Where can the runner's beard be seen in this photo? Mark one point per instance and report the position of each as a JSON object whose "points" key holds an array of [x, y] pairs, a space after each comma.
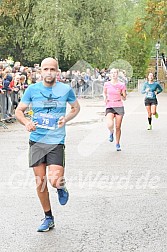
{"points": [[50, 81]]}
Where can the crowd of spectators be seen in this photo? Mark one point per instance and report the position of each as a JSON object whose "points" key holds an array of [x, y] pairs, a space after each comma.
{"points": [[16, 78], [13, 82]]}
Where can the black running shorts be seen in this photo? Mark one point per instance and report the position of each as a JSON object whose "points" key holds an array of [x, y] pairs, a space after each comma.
{"points": [[50, 154], [115, 110], [149, 102]]}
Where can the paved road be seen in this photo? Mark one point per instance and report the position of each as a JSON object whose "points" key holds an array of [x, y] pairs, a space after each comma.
{"points": [[118, 200]]}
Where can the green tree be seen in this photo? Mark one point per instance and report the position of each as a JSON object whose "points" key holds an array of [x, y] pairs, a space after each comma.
{"points": [[153, 24], [89, 30], [99, 31], [16, 28]]}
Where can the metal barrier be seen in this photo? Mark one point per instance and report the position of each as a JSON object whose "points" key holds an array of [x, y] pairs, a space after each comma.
{"points": [[6, 108], [94, 88], [132, 84], [91, 89]]}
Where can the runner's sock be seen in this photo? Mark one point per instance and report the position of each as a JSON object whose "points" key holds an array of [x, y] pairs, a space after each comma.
{"points": [[48, 213], [149, 120]]}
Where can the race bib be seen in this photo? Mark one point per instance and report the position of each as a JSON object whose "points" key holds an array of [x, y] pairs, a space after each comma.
{"points": [[46, 121], [150, 95]]}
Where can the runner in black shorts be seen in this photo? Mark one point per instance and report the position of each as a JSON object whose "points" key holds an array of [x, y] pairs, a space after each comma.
{"points": [[151, 88], [46, 153], [48, 100]]}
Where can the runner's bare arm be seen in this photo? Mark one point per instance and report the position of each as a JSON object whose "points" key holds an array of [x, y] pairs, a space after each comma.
{"points": [[105, 94], [123, 95], [20, 116], [75, 108]]}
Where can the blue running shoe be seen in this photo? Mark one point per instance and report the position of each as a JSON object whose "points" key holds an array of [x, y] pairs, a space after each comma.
{"points": [[63, 195], [47, 224], [118, 147], [111, 138]]}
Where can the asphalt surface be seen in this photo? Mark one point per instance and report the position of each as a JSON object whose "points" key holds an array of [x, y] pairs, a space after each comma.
{"points": [[118, 200]]}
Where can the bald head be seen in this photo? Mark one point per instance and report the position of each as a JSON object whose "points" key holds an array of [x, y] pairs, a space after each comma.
{"points": [[49, 69], [50, 61]]}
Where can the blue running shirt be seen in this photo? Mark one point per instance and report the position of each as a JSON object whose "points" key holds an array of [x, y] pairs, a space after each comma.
{"points": [[155, 86], [48, 105]]}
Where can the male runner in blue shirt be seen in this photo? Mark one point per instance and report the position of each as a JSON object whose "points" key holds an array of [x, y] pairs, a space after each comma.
{"points": [[48, 100]]}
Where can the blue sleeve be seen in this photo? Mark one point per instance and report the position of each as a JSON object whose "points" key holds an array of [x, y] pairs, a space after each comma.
{"points": [[143, 91], [71, 96], [159, 88], [26, 98]]}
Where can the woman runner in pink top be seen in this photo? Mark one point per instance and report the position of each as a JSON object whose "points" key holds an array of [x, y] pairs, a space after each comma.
{"points": [[114, 92]]}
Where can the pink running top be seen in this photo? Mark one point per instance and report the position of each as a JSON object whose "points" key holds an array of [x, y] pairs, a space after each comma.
{"points": [[114, 94]]}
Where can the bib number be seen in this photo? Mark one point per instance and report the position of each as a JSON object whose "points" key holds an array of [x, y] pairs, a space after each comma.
{"points": [[46, 121], [150, 95]]}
